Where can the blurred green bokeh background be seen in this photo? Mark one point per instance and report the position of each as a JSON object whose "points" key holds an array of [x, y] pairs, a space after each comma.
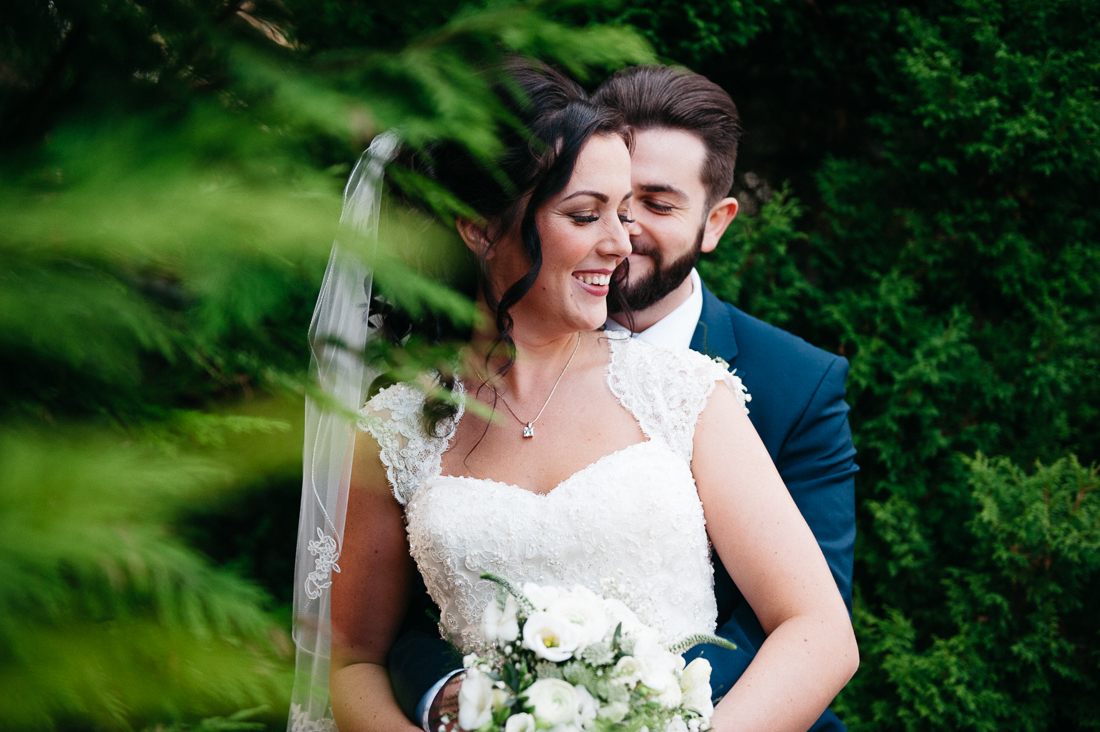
{"points": [[917, 187]]}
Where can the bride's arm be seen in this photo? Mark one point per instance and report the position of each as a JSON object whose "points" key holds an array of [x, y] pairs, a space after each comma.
{"points": [[369, 597], [762, 539]]}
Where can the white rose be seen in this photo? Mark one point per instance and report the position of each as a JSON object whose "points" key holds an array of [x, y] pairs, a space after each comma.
{"points": [[550, 637], [522, 722], [554, 700], [499, 624], [475, 700], [586, 706], [676, 724], [628, 671], [695, 683], [584, 609], [540, 596]]}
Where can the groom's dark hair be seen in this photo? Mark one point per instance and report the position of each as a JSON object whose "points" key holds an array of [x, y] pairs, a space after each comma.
{"points": [[652, 97]]}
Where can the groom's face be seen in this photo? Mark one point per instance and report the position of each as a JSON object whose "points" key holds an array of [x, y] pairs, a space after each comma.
{"points": [[669, 211]]}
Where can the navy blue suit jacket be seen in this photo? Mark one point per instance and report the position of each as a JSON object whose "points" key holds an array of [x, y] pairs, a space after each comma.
{"points": [[798, 409]]}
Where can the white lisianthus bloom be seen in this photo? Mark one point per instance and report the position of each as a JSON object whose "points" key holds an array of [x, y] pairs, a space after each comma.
{"points": [[676, 724], [551, 638], [522, 722], [540, 596], [584, 609], [587, 707], [554, 700], [695, 683], [499, 624], [475, 700], [614, 712]]}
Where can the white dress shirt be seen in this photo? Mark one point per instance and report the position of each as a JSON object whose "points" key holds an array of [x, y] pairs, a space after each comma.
{"points": [[676, 329]]}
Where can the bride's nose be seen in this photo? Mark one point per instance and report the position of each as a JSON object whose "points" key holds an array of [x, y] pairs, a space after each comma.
{"points": [[617, 241]]}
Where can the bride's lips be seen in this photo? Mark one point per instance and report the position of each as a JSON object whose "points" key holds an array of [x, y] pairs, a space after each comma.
{"points": [[594, 281]]}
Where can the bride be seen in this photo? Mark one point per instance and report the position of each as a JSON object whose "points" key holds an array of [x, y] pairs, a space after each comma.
{"points": [[608, 463]]}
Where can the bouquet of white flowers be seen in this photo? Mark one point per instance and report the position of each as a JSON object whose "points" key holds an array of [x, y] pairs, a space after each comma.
{"points": [[568, 659]]}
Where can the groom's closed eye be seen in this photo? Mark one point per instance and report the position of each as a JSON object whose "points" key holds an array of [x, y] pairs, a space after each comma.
{"points": [[658, 207]]}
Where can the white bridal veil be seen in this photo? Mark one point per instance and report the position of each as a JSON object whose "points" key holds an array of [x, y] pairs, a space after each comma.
{"points": [[337, 336]]}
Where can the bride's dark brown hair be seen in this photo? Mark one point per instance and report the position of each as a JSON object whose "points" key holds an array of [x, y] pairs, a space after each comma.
{"points": [[560, 119]]}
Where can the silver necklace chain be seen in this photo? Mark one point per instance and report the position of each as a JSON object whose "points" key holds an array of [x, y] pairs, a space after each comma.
{"points": [[529, 426]]}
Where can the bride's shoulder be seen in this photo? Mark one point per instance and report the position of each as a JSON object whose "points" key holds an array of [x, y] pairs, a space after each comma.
{"points": [[400, 405], [395, 418], [675, 373]]}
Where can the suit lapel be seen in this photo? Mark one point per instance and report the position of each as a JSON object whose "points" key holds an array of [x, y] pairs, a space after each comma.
{"points": [[714, 333]]}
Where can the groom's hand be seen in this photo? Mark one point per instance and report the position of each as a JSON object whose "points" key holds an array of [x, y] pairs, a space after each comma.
{"points": [[443, 712]]}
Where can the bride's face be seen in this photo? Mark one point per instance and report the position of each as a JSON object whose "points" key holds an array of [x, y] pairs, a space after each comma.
{"points": [[584, 238]]}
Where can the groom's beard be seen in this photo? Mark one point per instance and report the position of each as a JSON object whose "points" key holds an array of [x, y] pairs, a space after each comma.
{"points": [[663, 279]]}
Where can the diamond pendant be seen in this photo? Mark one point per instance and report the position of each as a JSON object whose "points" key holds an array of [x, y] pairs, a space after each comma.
{"points": [[528, 430]]}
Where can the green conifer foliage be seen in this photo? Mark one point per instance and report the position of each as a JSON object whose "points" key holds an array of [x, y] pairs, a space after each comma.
{"points": [[106, 618], [170, 184]]}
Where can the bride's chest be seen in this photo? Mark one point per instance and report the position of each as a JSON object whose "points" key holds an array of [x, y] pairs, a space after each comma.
{"points": [[639, 499]]}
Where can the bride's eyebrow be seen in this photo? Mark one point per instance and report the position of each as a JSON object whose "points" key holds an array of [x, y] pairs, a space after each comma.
{"points": [[602, 197], [595, 194]]}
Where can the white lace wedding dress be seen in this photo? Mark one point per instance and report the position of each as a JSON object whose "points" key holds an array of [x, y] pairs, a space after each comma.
{"points": [[630, 525]]}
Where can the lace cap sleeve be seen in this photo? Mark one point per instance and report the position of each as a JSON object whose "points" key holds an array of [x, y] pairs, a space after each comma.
{"points": [[394, 417], [666, 390]]}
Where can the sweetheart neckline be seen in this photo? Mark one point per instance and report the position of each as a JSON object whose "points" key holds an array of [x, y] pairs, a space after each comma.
{"points": [[557, 487]]}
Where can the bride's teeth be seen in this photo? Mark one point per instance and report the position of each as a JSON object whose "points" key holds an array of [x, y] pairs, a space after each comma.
{"points": [[599, 280]]}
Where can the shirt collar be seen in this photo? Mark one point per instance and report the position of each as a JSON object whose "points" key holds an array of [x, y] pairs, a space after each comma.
{"points": [[676, 329]]}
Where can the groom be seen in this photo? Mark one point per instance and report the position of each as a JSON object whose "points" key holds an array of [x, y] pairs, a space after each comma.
{"points": [[687, 132]]}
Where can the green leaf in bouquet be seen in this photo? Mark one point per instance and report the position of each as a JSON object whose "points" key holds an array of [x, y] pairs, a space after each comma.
{"points": [[511, 677], [700, 638]]}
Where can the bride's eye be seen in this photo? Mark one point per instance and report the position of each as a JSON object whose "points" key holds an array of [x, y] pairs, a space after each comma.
{"points": [[625, 218], [584, 218]]}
